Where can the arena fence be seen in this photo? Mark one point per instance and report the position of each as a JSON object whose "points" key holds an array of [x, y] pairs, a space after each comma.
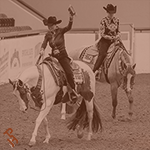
{"points": [[19, 50]]}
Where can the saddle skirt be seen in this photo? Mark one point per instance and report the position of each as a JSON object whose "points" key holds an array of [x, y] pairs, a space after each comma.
{"points": [[113, 49], [88, 54], [110, 55], [81, 79], [59, 74]]}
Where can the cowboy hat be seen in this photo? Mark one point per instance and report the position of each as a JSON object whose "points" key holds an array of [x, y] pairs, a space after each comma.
{"points": [[110, 8], [51, 20]]}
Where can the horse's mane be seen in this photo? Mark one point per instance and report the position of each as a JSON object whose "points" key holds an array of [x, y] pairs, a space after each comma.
{"points": [[127, 56]]}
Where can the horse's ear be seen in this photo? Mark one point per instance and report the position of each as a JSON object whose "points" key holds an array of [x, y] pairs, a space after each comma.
{"points": [[20, 83], [125, 66], [134, 66], [11, 82]]}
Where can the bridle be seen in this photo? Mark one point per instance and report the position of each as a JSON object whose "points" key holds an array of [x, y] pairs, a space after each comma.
{"points": [[124, 72], [24, 89]]}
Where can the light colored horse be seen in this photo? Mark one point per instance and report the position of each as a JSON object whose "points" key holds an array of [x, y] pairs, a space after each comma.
{"points": [[29, 78], [121, 69]]}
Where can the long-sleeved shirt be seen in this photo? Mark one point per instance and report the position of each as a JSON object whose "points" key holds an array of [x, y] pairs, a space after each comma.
{"points": [[56, 39], [109, 27]]}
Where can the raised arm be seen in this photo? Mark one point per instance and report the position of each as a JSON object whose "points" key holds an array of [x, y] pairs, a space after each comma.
{"points": [[69, 26]]}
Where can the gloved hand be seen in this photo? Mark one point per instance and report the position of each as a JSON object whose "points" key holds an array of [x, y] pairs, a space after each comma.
{"points": [[71, 11], [71, 17], [41, 53], [115, 38], [112, 38]]}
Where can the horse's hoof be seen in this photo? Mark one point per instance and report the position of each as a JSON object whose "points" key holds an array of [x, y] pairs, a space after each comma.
{"points": [[31, 143], [130, 114], [79, 132], [80, 135], [113, 116], [89, 136], [46, 141], [63, 117]]}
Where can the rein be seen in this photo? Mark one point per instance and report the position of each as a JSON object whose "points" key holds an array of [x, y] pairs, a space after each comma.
{"points": [[27, 90], [123, 50], [37, 89], [125, 71]]}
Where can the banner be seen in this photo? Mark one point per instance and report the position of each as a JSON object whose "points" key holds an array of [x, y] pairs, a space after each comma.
{"points": [[17, 54], [4, 61]]}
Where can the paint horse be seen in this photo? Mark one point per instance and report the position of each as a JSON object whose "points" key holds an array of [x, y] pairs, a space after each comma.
{"points": [[41, 84], [118, 69]]}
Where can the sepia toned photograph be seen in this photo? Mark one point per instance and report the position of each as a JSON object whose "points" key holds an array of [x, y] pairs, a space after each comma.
{"points": [[74, 74]]}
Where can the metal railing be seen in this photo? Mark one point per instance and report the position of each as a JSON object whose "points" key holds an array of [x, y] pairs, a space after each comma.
{"points": [[43, 31], [29, 8], [142, 29]]}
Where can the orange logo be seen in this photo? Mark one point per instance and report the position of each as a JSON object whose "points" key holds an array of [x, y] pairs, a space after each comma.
{"points": [[11, 136]]}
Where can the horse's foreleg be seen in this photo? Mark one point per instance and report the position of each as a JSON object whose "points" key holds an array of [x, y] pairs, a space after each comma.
{"points": [[130, 98], [89, 106], [114, 91], [63, 105], [63, 111], [79, 131], [47, 131], [129, 93], [44, 111]]}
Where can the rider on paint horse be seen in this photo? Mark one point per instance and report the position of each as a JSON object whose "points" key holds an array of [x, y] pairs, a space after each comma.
{"points": [[55, 38], [109, 31]]}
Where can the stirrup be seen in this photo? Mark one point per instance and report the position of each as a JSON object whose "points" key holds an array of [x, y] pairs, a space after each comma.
{"points": [[96, 72], [75, 93]]}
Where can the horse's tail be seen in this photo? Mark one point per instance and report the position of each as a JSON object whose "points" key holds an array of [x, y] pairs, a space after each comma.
{"points": [[81, 118]]}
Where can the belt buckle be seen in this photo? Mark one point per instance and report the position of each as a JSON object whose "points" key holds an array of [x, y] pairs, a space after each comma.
{"points": [[56, 51]]}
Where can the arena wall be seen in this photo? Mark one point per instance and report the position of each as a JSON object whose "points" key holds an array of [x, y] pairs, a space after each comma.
{"points": [[10, 66]]}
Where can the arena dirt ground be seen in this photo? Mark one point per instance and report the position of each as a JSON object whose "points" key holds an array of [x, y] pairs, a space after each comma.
{"points": [[118, 134]]}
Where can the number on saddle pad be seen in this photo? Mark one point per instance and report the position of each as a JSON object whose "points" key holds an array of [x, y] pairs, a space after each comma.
{"points": [[88, 58]]}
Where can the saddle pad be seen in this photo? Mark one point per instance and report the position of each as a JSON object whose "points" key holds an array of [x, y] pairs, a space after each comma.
{"points": [[110, 56], [59, 74], [56, 72], [88, 54]]}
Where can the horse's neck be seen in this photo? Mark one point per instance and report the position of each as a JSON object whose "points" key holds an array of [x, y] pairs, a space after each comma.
{"points": [[126, 58], [116, 57], [30, 76]]}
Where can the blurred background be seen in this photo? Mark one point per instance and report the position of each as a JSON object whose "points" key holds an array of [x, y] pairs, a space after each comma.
{"points": [[22, 29]]}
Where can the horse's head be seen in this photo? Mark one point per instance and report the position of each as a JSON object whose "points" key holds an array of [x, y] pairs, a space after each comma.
{"points": [[20, 90], [129, 71]]}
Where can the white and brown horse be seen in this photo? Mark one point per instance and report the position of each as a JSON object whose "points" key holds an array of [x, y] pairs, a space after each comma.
{"points": [[120, 69], [87, 114]]}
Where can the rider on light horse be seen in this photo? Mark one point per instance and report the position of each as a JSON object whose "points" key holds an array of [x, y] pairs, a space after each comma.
{"points": [[55, 37], [109, 31]]}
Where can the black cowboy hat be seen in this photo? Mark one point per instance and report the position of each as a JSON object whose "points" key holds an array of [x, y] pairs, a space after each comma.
{"points": [[110, 8], [51, 20]]}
